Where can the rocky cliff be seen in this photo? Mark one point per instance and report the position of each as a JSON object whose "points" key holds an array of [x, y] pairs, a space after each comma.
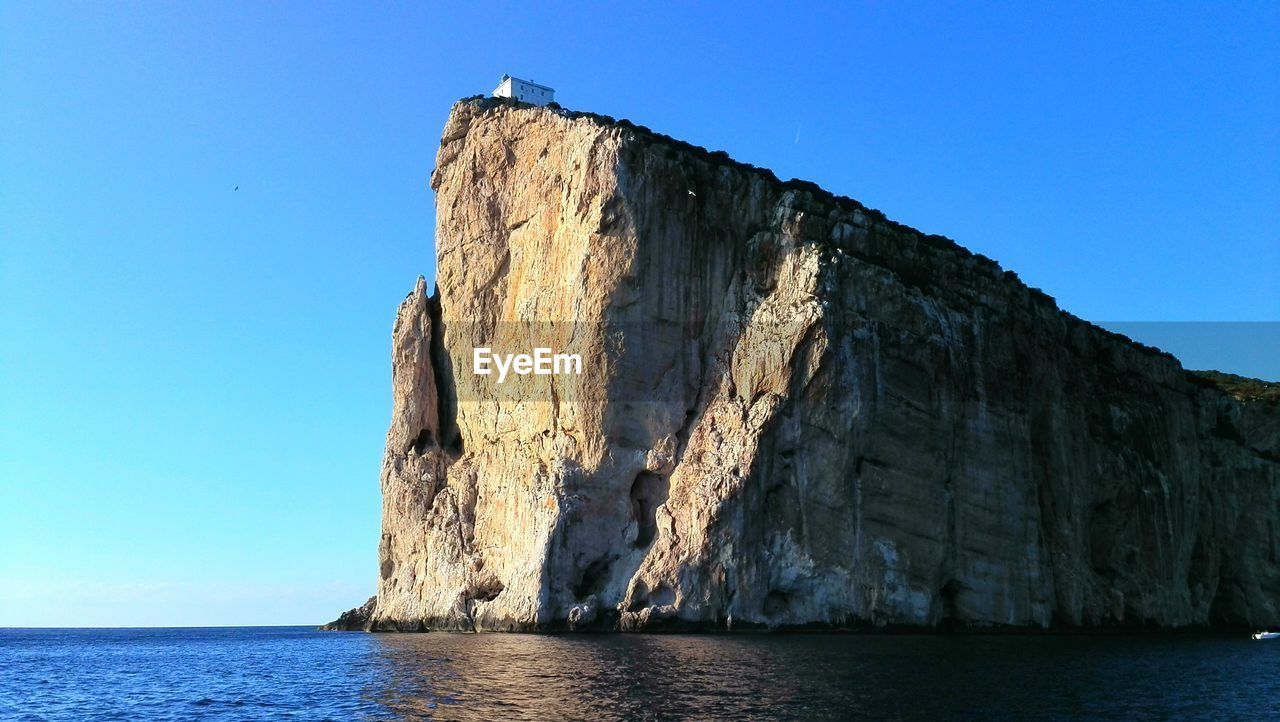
{"points": [[792, 411]]}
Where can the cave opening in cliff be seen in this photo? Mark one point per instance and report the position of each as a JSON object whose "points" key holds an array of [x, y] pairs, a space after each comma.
{"points": [[592, 579], [425, 440], [487, 591], [641, 598], [776, 603], [948, 594], [648, 491]]}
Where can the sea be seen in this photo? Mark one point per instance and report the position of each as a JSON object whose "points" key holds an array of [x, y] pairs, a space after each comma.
{"points": [[299, 673]]}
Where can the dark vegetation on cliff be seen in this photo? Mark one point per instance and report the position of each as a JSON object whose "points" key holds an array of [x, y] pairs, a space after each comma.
{"points": [[1241, 388]]}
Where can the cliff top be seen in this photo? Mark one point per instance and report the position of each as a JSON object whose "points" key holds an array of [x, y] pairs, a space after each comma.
{"points": [[1253, 390], [721, 157]]}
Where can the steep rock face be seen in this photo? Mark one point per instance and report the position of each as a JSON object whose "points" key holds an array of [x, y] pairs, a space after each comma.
{"points": [[792, 411]]}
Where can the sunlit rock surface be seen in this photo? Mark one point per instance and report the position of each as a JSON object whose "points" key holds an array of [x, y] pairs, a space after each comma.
{"points": [[793, 411]]}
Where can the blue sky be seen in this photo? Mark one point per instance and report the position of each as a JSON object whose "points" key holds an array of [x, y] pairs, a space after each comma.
{"points": [[194, 380]]}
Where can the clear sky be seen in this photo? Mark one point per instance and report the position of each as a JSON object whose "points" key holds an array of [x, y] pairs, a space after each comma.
{"points": [[194, 379]]}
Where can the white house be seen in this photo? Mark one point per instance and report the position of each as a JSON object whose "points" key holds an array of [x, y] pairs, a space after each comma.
{"points": [[524, 90]]}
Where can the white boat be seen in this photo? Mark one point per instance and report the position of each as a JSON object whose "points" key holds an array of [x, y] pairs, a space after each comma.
{"points": [[1266, 635]]}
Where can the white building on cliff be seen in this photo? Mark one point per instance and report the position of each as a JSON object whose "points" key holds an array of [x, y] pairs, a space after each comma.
{"points": [[525, 91]]}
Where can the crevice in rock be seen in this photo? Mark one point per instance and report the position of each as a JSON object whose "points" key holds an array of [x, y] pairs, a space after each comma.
{"points": [[503, 267], [861, 463], [611, 215], [1224, 609], [648, 491], [442, 371]]}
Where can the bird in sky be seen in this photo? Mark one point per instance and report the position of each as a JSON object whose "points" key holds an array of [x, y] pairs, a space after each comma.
{"points": [[237, 187]]}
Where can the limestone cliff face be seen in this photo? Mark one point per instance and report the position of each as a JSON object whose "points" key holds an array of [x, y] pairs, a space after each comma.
{"points": [[792, 411]]}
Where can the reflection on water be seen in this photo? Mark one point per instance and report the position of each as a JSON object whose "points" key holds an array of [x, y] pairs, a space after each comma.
{"points": [[489, 676], [299, 673], [570, 677]]}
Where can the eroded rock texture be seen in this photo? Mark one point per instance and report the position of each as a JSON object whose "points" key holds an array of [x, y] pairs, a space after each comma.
{"points": [[793, 411]]}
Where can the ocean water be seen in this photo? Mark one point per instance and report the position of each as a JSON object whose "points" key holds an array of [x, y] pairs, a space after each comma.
{"points": [[297, 673]]}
